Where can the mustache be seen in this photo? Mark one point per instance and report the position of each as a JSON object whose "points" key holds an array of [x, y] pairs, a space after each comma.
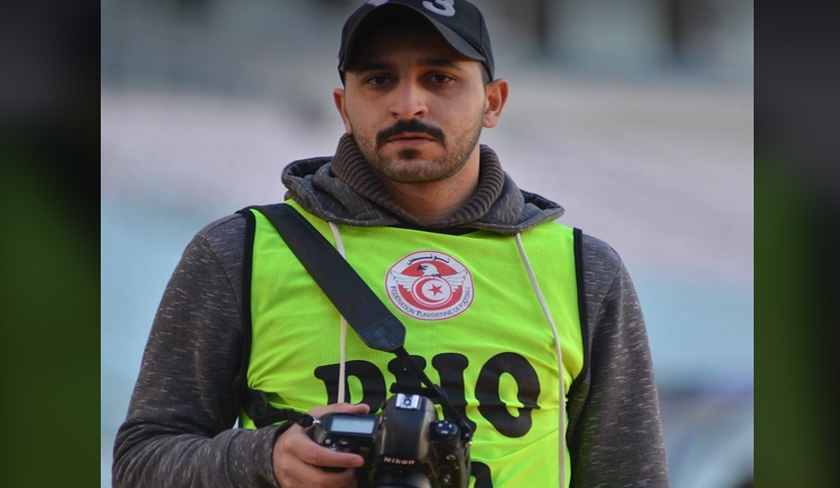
{"points": [[411, 125]]}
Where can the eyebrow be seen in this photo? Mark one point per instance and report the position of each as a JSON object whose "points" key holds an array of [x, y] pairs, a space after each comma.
{"points": [[439, 62]]}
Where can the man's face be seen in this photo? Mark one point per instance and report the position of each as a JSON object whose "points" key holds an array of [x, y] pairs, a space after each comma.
{"points": [[414, 105]]}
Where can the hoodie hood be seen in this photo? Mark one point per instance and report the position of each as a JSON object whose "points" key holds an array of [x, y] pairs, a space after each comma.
{"points": [[343, 189]]}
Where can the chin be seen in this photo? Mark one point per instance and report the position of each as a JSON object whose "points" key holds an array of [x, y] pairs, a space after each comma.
{"points": [[408, 155]]}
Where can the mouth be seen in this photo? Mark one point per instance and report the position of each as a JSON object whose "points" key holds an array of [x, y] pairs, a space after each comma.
{"points": [[411, 138]]}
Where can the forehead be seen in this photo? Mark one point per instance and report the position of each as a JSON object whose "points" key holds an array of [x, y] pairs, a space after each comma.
{"points": [[401, 38]]}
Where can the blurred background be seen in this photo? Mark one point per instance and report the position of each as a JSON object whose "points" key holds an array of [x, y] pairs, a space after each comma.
{"points": [[635, 115]]}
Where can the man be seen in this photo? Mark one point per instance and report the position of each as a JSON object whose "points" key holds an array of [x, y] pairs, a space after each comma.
{"points": [[532, 328]]}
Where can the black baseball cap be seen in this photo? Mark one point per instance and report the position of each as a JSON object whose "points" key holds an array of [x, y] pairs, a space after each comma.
{"points": [[458, 21]]}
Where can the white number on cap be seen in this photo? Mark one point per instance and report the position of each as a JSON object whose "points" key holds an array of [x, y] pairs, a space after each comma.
{"points": [[441, 7], [377, 3]]}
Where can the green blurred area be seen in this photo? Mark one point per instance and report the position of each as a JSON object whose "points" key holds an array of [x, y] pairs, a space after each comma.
{"points": [[795, 425], [49, 341]]}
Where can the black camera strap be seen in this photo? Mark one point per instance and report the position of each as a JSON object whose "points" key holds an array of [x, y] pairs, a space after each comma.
{"points": [[358, 304]]}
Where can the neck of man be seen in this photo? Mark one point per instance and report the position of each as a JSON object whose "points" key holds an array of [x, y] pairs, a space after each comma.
{"points": [[434, 202]]}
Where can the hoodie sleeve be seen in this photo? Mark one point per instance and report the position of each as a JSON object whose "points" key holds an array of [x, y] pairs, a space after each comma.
{"points": [[179, 429], [615, 432]]}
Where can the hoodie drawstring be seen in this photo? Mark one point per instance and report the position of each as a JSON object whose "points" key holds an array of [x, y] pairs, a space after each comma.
{"points": [[342, 363], [547, 313]]}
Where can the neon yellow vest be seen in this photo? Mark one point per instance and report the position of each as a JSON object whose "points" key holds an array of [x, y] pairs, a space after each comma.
{"points": [[470, 311]]}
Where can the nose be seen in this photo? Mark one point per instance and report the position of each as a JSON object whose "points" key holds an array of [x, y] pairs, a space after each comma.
{"points": [[409, 101]]}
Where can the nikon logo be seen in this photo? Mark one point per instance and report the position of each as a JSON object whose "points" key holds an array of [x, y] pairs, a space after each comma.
{"points": [[391, 460]]}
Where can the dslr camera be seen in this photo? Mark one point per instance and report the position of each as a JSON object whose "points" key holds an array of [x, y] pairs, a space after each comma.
{"points": [[405, 446]]}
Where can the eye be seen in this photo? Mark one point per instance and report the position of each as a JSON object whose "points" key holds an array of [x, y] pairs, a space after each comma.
{"points": [[440, 78], [377, 80]]}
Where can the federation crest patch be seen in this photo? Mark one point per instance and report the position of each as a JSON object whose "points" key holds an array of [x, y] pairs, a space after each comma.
{"points": [[429, 285]]}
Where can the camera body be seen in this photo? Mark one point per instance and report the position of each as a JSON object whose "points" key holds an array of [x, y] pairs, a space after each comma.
{"points": [[405, 446]]}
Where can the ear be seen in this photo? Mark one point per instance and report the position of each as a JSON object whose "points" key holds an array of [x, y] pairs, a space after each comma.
{"points": [[496, 95], [340, 99]]}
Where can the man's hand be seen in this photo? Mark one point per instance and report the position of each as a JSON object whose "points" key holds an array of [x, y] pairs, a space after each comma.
{"points": [[297, 458]]}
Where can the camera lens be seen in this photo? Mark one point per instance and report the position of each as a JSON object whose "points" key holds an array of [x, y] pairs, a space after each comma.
{"points": [[402, 479]]}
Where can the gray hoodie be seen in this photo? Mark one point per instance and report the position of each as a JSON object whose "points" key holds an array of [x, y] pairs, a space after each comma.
{"points": [[180, 427]]}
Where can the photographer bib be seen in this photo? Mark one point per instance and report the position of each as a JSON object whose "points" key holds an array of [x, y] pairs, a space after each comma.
{"points": [[473, 321]]}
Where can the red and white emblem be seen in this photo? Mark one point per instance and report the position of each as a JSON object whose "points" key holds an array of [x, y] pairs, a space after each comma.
{"points": [[429, 285]]}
